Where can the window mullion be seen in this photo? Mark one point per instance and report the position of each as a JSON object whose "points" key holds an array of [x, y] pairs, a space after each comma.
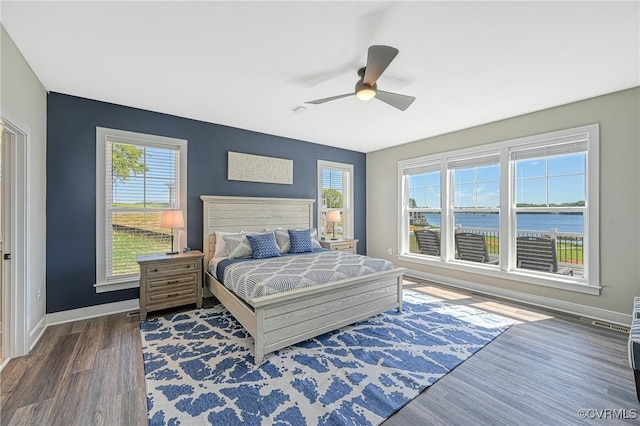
{"points": [[135, 209], [507, 216], [403, 225], [446, 218]]}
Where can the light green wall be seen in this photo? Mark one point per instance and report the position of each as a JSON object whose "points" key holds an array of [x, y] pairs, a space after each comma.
{"points": [[619, 117], [23, 101]]}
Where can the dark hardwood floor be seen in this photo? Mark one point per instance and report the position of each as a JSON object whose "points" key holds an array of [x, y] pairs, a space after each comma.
{"points": [[541, 371], [87, 372]]}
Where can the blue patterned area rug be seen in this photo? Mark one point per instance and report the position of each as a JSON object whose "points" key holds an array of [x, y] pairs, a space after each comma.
{"points": [[199, 366]]}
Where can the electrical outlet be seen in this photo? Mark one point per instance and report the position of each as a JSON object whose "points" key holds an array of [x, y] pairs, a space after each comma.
{"points": [[39, 293], [389, 251]]}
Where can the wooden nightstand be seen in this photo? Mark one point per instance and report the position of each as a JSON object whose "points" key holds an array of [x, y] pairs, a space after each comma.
{"points": [[167, 281], [347, 245]]}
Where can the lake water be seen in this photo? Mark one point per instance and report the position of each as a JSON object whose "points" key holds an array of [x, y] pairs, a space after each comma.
{"points": [[529, 221]]}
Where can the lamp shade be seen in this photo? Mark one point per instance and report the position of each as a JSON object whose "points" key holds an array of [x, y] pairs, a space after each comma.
{"points": [[172, 219], [333, 216]]}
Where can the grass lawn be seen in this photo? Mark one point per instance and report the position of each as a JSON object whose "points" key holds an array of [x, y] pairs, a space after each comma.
{"points": [[569, 253], [127, 246], [148, 221]]}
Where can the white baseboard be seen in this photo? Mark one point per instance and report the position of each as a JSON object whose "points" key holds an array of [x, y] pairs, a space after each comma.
{"points": [[93, 311], [543, 302], [4, 363], [37, 332]]}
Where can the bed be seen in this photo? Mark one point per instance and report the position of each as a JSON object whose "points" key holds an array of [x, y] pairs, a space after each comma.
{"points": [[276, 321]]}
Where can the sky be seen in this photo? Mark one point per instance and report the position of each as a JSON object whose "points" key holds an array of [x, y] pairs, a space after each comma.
{"points": [[554, 180], [160, 172], [331, 179]]}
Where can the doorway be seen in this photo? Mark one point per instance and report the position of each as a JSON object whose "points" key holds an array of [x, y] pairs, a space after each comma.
{"points": [[2, 319], [14, 311]]}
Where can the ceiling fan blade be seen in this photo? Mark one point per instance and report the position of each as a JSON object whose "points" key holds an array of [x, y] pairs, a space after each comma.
{"points": [[332, 98], [378, 59], [402, 102], [322, 76], [368, 28]]}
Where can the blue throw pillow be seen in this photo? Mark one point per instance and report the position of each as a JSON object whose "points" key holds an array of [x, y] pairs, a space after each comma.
{"points": [[300, 241], [263, 245]]}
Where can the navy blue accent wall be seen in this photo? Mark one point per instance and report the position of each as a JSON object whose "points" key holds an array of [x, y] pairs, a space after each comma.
{"points": [[71, 183]]}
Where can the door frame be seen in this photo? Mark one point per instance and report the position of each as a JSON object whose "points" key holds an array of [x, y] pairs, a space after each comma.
{"points": [[15, 217]]}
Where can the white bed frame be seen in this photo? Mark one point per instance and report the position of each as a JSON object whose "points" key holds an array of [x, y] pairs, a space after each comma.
{"points": [[280, 320]]}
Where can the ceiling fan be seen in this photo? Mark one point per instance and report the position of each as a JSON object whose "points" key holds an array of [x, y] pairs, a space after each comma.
{"points": [[378, 59]]}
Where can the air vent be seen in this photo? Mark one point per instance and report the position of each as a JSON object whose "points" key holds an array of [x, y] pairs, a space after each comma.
{"points": [[133, 314], [614, 327]]}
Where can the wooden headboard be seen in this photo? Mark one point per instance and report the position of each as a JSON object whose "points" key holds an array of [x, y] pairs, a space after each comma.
{"points": [[235, 214]]}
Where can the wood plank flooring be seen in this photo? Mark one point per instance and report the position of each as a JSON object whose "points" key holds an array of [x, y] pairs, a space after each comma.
{"points": [[88, 372], [539, 372]]}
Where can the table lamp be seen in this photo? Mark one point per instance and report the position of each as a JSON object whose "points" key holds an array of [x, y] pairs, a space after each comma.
{"points": [[333, 216], [172, 219]]}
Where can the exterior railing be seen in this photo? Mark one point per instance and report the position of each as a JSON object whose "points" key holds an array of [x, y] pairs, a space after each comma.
{"points": [[569, 245]]}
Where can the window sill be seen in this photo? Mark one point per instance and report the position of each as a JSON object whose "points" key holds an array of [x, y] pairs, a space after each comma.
{"points": [[524, 277], [122, 284]]}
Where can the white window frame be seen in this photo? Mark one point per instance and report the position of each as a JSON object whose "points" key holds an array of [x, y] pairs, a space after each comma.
{"points": [[113, 135], [449, 172], [347, 211], [589, 284], [427, 166]]}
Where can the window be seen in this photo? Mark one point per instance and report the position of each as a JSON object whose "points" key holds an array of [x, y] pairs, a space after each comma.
{"points": [[531, 205], [335, 193], [476, 207], [138, 177], [423, 208], [551, 200]]}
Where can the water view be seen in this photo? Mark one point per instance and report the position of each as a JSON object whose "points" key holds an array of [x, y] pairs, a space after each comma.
{"points": [[526, 221]]}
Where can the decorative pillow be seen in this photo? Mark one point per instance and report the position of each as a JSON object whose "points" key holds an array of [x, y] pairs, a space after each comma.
{"points": [[282, 238], [221, 245], [263, 245], [237, 246], [314, 238], [300, 241]]}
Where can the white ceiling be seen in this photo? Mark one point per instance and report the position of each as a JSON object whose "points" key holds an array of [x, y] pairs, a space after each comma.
{"points": [[249, 65]]}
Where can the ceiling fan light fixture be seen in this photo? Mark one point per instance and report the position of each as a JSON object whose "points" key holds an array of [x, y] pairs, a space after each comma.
{"points": [[378, 59], [364, 92]]}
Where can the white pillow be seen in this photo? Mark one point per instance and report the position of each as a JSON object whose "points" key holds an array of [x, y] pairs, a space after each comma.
{"points": [[315, 243], [221, 245], [282, 239], [237, 246]]}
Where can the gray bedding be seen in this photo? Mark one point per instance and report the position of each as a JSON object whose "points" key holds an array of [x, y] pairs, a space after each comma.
{"points": [[262, 277]]}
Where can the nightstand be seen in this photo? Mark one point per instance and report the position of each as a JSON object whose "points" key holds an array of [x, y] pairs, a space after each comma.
{"points": [[168, 280], [343, 244]]}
